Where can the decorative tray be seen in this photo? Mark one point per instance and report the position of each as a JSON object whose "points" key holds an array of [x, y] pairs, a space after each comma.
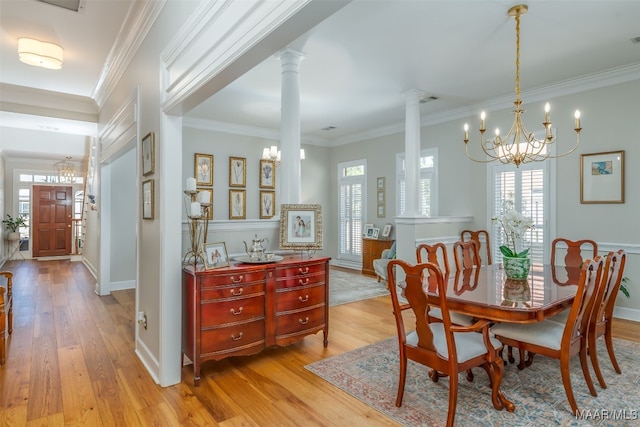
{"points": [[245, 259]]}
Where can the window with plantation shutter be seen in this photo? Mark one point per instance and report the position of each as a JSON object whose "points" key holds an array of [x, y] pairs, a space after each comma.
{"points": [[528, 187], [351, 192], [427, 187]]}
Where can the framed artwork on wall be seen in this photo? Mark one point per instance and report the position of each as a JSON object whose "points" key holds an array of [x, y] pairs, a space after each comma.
{"points": [[237, 204], [148, 154], [267, 174], [237, 171], [203, 169], [300, 227], [147, 199], [602, 177], [267, 204], [380, 182]]}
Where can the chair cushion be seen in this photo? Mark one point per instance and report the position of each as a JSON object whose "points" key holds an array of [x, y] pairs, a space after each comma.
{"points": [[380, 267], [456, 318], [546, 333], [560, 317], [468, 344]]}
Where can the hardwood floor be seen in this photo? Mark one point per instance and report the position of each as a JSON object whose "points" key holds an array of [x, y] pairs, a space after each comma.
{"points": [[70, 360]]}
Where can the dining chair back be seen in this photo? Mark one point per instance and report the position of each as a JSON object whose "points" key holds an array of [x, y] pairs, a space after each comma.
{"points": [[573, 258], [558, 340], [446, 348], [482, 238], [602, 314], [466, 254]]}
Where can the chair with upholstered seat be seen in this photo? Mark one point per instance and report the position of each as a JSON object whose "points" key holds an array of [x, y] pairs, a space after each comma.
{"points": [[558, 340], [482, 238], [6, 312], [573, 257], [446, 348], [466, 254], [380, 264]]}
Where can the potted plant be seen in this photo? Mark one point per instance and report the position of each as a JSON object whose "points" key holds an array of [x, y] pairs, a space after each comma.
{"points": [[514, 224], [12, 225]]}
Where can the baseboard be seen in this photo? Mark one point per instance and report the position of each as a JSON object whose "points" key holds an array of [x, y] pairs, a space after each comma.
{"points": [[148, 360], [351, 265], [123, 285]]}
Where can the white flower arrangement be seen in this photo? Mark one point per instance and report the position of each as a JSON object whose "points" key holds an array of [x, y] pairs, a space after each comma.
{"points": [[514, 225]]}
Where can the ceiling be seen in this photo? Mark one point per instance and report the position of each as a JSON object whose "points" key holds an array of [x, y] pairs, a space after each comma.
{"points": [[359, 61]]}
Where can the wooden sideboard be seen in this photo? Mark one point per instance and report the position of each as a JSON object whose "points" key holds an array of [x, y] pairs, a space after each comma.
{"points": [[372, 249], [244, 308]]}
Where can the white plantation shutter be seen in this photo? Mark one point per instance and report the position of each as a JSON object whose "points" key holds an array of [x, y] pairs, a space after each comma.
{"points": [[351, 182], [527, 186]]}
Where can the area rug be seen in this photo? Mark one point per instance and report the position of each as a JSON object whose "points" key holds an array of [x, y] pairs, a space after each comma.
{"points": [[371, 374], [345, 287]]}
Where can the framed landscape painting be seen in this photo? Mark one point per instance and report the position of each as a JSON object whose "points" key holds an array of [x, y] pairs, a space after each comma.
{"points": [[602, 177]]}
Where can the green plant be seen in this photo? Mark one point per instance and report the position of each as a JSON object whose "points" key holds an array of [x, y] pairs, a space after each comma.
{"points": [[514, 225], [624, 288], [13, 223]]}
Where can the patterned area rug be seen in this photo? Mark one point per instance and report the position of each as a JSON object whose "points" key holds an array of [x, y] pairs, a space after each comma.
{"points": [[371, 374], [345, 287]]}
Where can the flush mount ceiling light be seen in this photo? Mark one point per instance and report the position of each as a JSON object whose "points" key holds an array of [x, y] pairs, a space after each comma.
{"points": [[40, 54]]}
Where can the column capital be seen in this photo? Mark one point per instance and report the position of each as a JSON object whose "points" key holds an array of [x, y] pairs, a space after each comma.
{"points": [[413, 95], [290, 55]]}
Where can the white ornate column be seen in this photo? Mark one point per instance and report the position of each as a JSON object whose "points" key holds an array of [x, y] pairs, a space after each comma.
{"points": [[290, 177], [412, 151]]}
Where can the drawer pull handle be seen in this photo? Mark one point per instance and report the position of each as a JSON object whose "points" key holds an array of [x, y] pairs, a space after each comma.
{"points": [[234, 293], [234, 312], [233, 279], [305, 299], [305, 321], [303, 282], [236, 338], [305, 271]]}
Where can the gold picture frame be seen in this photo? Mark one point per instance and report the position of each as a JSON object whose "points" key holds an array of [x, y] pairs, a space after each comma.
{"points": [[237, 172], [267, 204], [267, 174], [602, 177], [203, 169], [215, 255], [148, 154], [237, 204], [300, 227], [147, 199]]}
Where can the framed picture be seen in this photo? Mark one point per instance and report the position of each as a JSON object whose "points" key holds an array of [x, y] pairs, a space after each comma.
{"points": [[237, 172], [147, 199], [267, 174], [381, 196], [386, 231], [148, 154], [267, 204], [210, 210], [215, 255], [237, 204], [367, 230], [380, 181], [602, 177], [203, 169], [369, 233], [375, 233], [381, 211], [300, 227]]}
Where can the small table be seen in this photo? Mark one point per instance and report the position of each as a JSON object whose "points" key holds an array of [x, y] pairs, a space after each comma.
{"points": [[487, 293]]}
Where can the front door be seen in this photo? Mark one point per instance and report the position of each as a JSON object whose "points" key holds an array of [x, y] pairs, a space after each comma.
{"points": [[52, 209]]}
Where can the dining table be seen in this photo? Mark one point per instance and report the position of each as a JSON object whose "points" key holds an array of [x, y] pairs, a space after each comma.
{"points": [[485, 292]]}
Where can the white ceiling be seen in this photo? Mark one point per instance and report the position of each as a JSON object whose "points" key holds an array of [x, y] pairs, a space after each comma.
{"points": [[360, 60]]}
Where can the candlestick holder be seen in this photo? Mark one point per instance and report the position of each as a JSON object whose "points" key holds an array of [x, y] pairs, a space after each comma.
{"points": [[198, 215]]}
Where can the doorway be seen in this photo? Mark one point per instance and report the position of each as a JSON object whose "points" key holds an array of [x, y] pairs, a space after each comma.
{"points": [[51, 226]]}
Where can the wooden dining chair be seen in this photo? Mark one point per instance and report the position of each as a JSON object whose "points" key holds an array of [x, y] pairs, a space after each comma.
{"points": [[466, 254], [573, 257], [557, 340], [6, 312], [602, 314], [437, 254], [482, 238], [446, 348]]}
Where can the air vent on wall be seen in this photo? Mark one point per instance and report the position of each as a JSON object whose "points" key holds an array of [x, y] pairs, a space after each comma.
{"points": [[427, 98], [74, 5]]}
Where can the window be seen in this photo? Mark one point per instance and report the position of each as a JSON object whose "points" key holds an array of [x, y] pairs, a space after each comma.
{"points": [[351, 193], [427, 187], [24, 210]]}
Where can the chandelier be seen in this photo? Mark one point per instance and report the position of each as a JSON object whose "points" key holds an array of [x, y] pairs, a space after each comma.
{"points": [[519, 145], [66, 171]]}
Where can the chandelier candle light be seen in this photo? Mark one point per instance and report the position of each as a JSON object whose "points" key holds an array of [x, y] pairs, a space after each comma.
{"points": [[197, 206], [519, 145]]}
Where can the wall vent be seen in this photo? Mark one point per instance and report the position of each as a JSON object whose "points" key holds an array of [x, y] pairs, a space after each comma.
{"points": [[74, 5]]}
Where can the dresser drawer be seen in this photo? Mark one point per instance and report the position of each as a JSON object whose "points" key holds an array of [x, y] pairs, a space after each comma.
{"points": [[231, 278], [231, 310], [297, 299], [306, 280], [222, 340], [293, 322], [223, 292], [300, 271]]}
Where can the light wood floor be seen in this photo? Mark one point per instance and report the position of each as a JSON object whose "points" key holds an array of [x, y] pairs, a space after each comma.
{"points": [[70, 360]]}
